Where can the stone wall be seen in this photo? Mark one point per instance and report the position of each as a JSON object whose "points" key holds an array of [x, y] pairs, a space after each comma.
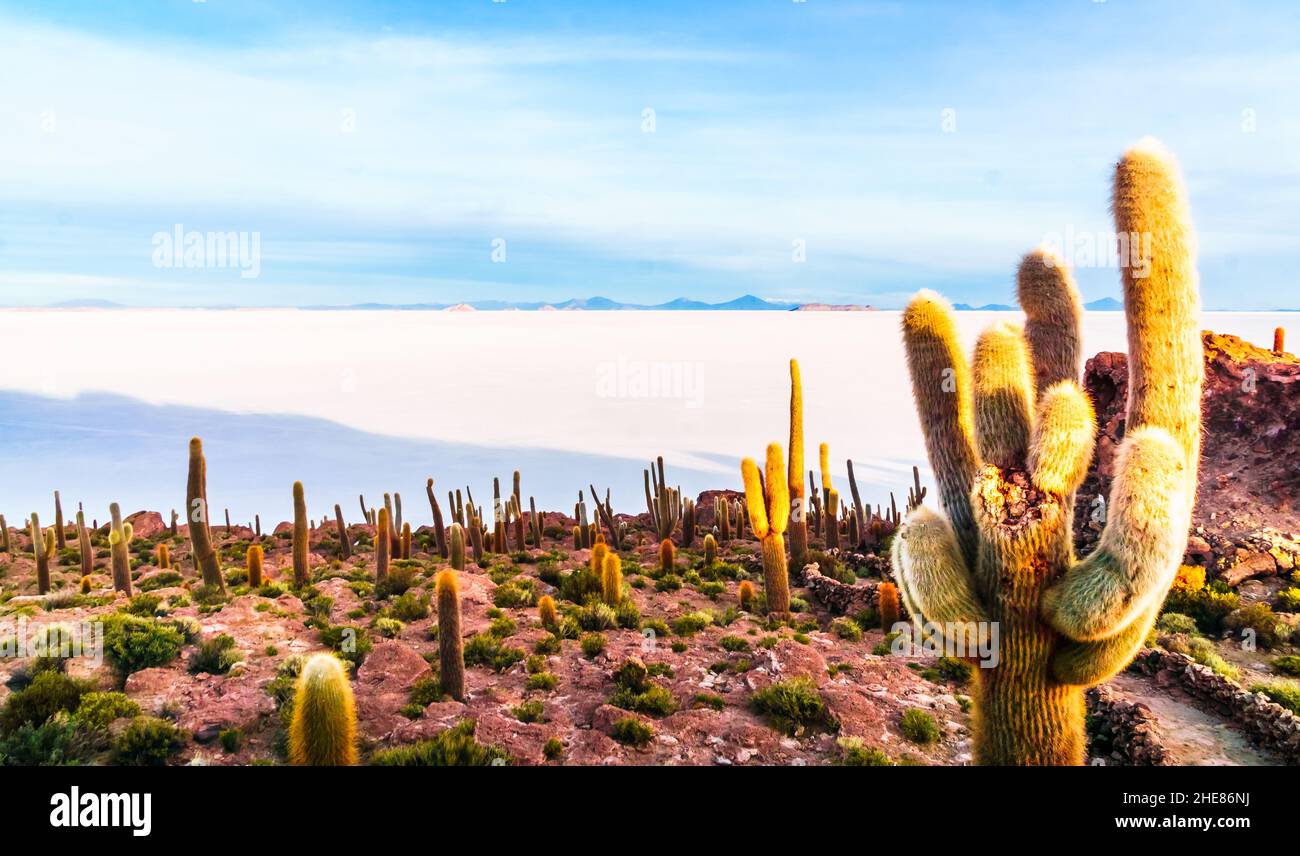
{"points": [[841, 598], [1123, 733]]}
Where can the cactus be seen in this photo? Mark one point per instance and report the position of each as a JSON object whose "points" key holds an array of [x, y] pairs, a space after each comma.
{"points": [[323, 730], [887, 606], [345, 543], [832, 517], [663, 502], [688, 522], [710, 551], [84, 547], [301, 567], [915, 494], [457, 546], [1009, 450], [253, 561], [42, 552], [611, 579], [794, 476], [857, 515], [439, 533], [196, 504], [227, 521], [257, 526], [534, 523], [577, 537], [722, 513], [164, 557], [85, 584], [768, 500], [451, 653], [406, 540], [383, 550], [173, 526], [60, 536], [667, 556], [814, 496], [745, 592], [4, 534], [394, 529], [546, 612], [599, 551], [119, 536], [1279, 341], [475, 527]]}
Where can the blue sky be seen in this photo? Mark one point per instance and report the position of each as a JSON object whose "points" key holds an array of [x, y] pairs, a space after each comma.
{"points": [[380, 149]]}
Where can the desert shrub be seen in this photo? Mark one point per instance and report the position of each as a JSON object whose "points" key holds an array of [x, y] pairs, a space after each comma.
{"points": [[389, 628], [162, 579], [98, 710], [549, 644], [553, 749], [1207, 606], [215, 655], [733, 643], [593, 644], [658, 625], [1284, 694], [1258, 617], [408, 607], [632, 731], [692, 623], [1176, 622], [543, 681], [518, 593], [596, 616], [1201, 650], [148, 742], [579, 584], [453, 747], [486, 649], [846, 629], [1288, 664], [919, 726], [401, 576], [668, 582], [529, 711], [57, 742], [143, 605], [352, 644], [1288, 599], [855, 753], [627, 615], [132, 643], [792, 706], [952, 669], [49, 692]]}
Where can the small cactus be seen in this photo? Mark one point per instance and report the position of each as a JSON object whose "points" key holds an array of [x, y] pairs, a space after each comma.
{"points": [[85, 584], [577, 537], [667, 556], [768, 500], [710, 550], [1279, 342], [253, 558], [598, 553], [60, 536], [163, 557], [323, 730], [887, 597], [439, 533], [546, 612], [301, 567], [406, 540], [746, 594], [382, 549], [611, 580], [451, 652], [4, 534], [457, 546]]}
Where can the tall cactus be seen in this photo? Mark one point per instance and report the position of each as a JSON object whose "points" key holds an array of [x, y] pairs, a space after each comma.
{"points": [[439, 533], [345, 543], [611, 580], [323, 730], [163, 556], [60, 536], [451, 651], [84, 547], [406, 540], [457, 546], [42, 552], [4, 534], [301, 566], [196, 509], [253, 561], [794, 477], [768, 499], [1010, 443], [383, 547], [663, 502], [119, 536]]}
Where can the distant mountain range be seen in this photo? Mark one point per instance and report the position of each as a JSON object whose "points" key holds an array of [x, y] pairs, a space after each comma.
{"points": [[1105, 304]]}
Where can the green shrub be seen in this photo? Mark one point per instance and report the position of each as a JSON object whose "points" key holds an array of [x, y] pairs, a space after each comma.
{"points": [[952, 669], [1288, 599], [1284, 694], [215, 655], [486, 649], [1176, 622], [148, 742], [919, 726], [596, 616], [453, 747], [854, 753], [99, 710], [709, 700], [1287, 664], [57, 742], [793, 705], [593, 644], [692, 623], [389, 628], [1206, 606], [846, 628], [1258, 617], [162, 579], [543, 681], [632, 731], [49, 692], [530, 711], [519, 593], [132, 643], [352, 644], [143, 605], [408, 607], [733, 643], [553, 749]]}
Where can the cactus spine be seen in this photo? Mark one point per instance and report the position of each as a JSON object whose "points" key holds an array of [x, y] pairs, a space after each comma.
{"points": [[345, 543], [451, 653], [119, 536], [382, 549], [710, 550], [60, 536], [546, 612], [84, 547], [611, 580], [768, 500], [458, 546], [323, 731], [1010, 443], [42, 551], [794, 476], [253, 558], [196, 504]]}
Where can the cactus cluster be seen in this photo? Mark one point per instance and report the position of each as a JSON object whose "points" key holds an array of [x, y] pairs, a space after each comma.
{"points": [[768, 501], [1010, 439]]}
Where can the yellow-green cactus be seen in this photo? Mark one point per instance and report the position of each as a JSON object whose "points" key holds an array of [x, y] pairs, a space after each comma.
{"points": [[451, 648], [42, 552], [323, 730], [301, 547], [84, 547], [1010, 442], [457, 549], [253, 560], [119, 536], [383, 534], [611, 580], [794, 476], [196, 509], [768, 500]]}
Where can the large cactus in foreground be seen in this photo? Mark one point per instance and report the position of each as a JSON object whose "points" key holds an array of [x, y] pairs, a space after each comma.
{"points": [[451, 648], [1010, 443], [119, 537], [768, 499], [323, 730], [196, 509]]}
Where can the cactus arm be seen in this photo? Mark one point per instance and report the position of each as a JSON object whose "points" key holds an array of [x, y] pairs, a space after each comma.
{"points": [[1140, 549], [795, 475], [778, 493], [1003, 396], [941, 388], [1052, 318], [1087, 663], [1065, 429], [754, 498], [932, 576]]}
